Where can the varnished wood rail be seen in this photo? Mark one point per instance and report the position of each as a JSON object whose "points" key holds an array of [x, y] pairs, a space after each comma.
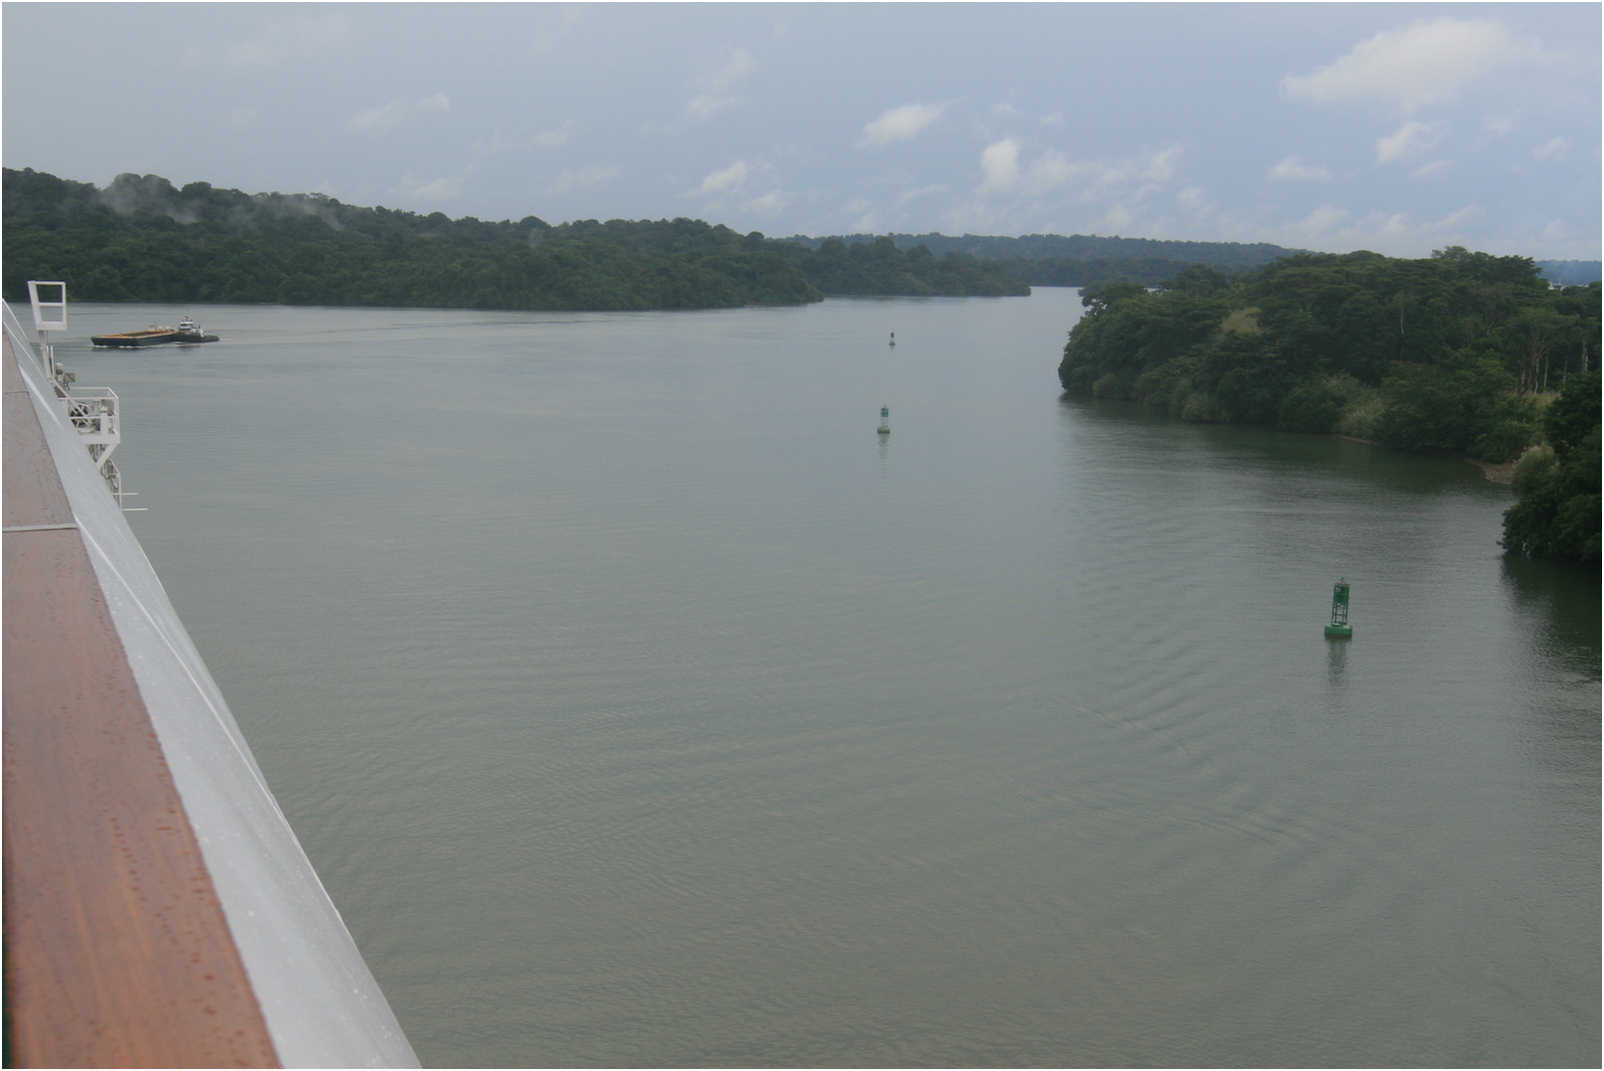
{"points": [[117, 950]]}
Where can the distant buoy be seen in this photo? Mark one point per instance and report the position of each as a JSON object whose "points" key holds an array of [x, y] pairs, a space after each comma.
{"points": [[893, 338], [885, 420], [1339, 628]]}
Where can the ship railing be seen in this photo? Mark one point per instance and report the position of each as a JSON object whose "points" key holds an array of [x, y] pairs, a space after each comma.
{"points": [[93, 411]]}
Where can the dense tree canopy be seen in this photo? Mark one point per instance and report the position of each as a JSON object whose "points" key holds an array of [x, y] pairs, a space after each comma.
{"points": [[142, 239], [1079, 259], [1557, 513], [1457, 353]]}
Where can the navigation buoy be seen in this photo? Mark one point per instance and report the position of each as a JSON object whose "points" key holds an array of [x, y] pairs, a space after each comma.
{"points": [[893, 338], [885, 420], [1339, 628]]}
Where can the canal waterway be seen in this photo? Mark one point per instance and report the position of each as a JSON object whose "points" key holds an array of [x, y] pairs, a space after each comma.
{"points": [[639, 705]]}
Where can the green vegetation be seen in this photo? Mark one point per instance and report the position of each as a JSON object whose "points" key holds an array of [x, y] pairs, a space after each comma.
{"points": [[1082, 260], [1557, 512], [1456, 354], [141, 239]]}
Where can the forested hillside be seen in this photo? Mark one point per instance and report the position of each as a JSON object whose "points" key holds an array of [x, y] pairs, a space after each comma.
{"points": [[1571, 272], [1089, 260], [1458, 353], [142, 239], [1084, 260]]}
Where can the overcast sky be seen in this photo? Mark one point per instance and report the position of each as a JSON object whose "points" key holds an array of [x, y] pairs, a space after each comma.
{"points": [[1396, 128]]}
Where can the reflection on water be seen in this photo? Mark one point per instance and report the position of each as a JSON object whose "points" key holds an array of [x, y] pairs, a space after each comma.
{"points": [[1562, 605], [1336, 659], [635, 713]]}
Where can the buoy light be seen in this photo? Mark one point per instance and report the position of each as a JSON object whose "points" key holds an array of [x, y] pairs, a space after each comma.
{"points": [[1339, 628]]}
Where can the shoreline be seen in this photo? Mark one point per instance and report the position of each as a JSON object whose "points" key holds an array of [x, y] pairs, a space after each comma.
{"points": [[1501, 472]]}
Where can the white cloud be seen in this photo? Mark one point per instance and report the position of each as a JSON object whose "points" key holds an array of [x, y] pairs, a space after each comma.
{"points": [[1419, 65], [1457, 218], [378, 120], [1293, 169], [386, 117], [770, 203], [706, 105], [1193, 199], [1319, 222], [1052, 180], [448, 188], [1553, 149], [1410, 140], [553, 27], [1055, 119], [738, 67], [1394, 225], [1393, 233], [717, 86], [728, 180], [999, 163], [589, 177], [1116, 219], [900, 124], [1160, 166], [298, 39], [1148, 174], [1051, 170], [862, 216], [1430, 168], [908, 196], [555, 138], [1497, 125]]}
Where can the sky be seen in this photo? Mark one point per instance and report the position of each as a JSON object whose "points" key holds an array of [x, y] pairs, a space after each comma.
{"points": [[1395, 128]]}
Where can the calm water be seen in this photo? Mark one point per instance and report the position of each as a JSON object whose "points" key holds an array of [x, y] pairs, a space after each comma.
{"points": [[640, 706]]}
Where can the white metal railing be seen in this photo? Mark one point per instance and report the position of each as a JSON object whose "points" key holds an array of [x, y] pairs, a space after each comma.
{"points": [[93, 411]]}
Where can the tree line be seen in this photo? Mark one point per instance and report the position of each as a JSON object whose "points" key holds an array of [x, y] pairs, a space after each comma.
{"points": [[142, 239], [1462, 353], [1082, 260], [1090, 259]]}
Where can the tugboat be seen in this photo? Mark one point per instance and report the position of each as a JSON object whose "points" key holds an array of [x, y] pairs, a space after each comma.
{"points": [[155, 335], [189, 331]]}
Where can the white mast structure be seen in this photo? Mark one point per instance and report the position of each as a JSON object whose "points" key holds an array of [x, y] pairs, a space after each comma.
{"points": [[93, 411]]}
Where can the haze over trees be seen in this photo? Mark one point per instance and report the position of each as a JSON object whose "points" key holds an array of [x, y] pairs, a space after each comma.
{"points": [[1089, 260], [1086, 260], [142, 239]]}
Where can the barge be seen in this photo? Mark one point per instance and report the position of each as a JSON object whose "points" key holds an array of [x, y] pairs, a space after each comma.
{"points": [[155, 335]]}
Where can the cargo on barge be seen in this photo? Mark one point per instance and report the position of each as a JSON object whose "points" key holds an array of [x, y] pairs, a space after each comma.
{"points": [[156, 335]]}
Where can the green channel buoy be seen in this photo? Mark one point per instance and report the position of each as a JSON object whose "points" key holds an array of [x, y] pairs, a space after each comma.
{"points": [[1339, 628], [885, 421]]}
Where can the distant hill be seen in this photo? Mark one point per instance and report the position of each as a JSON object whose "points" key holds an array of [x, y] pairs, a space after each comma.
{"points": [[1571, 272], [142, 239], [1088, 260]]}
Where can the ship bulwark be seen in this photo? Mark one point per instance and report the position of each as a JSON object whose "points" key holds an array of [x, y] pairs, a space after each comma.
{"points": [[158, 908]]}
